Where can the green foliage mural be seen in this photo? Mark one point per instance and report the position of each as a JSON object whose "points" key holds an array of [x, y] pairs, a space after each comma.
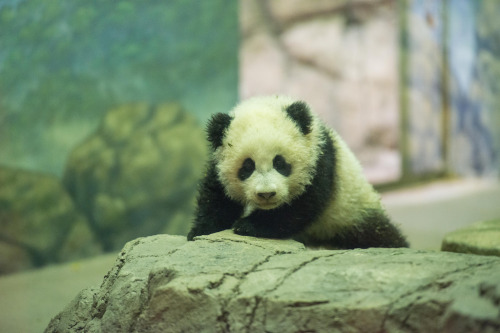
{"points": [[64, 63]]}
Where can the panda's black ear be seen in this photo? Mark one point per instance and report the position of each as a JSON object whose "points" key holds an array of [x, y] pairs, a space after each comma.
{"points": [[299, 112], [216, 128]]}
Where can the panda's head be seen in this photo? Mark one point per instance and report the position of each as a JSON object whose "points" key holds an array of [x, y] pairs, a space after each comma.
{"points": [[265, 151]]}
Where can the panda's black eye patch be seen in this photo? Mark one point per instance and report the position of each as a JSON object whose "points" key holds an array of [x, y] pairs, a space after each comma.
{"points": [[280, 164], [246, 169]]}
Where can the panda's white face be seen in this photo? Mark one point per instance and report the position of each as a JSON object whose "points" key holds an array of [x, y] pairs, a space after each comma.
{"points": [[265, 160], [258, 176], [265, 182]]}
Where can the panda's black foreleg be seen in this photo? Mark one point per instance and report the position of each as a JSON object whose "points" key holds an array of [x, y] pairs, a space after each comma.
{"points": [[245, 227], [215, 211], [213, 214], [374, 230], [277, 223], [248, 226]]}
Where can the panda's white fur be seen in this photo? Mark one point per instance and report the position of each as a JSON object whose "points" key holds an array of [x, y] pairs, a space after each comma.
{"points": [[269, 203]]}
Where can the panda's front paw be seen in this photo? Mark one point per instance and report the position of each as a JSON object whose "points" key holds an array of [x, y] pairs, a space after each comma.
{"points": [[191, 235], [245, 228]]}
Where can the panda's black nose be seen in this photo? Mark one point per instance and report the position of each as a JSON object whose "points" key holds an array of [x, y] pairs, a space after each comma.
{"points": [[266, 195]]}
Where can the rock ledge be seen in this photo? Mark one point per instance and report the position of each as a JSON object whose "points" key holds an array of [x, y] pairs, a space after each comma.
{"points": [[229, 283], [479, 238]]}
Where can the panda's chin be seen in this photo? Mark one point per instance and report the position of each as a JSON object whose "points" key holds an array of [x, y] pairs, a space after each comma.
{"points": [[267, 205]]}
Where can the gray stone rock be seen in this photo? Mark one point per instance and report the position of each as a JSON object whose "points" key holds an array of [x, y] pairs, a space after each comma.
{"points": [[138, 172], [39, 223], [229, 283], [479, 238]]}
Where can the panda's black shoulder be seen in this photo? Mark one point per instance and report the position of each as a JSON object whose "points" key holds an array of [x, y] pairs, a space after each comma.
{"points": [[319, 194]]}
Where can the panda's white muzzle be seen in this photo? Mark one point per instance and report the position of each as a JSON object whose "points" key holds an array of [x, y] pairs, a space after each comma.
{"points": [[267, 194]]}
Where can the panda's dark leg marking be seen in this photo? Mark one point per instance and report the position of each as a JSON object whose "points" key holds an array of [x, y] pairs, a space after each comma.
{"points": [[215, 211], [288, 220], [374, 230]]}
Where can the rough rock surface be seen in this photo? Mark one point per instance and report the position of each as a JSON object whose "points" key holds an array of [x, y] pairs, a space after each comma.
{"points": [[39, 223], [229, 283], [479, 238], [137, 175]]}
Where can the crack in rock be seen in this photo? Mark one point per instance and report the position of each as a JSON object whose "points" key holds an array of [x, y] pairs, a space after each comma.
{"points": [[292, 271], [225, 301], [306, 304], [418, 298], [257, 301]]}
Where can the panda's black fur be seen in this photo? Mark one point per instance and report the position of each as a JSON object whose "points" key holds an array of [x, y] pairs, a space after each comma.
{"points": [[217, 210]]}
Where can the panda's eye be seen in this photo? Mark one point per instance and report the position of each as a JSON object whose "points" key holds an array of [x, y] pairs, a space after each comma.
{"points": [[280, 164], [246, 169]]}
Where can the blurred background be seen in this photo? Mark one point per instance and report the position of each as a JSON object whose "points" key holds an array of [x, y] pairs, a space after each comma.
{"points": [[103, 105]]}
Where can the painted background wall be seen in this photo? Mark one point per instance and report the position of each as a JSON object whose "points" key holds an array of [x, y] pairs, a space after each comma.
{"points": [[474, 69], [102, 105], [63, 64], [339, 56], [451, 51]]}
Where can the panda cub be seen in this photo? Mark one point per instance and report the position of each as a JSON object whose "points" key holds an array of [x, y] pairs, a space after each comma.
{"points": [[276, 171]]}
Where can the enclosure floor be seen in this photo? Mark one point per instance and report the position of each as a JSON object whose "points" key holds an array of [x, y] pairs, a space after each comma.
{"points": [[29, 300], [427, 213]]}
